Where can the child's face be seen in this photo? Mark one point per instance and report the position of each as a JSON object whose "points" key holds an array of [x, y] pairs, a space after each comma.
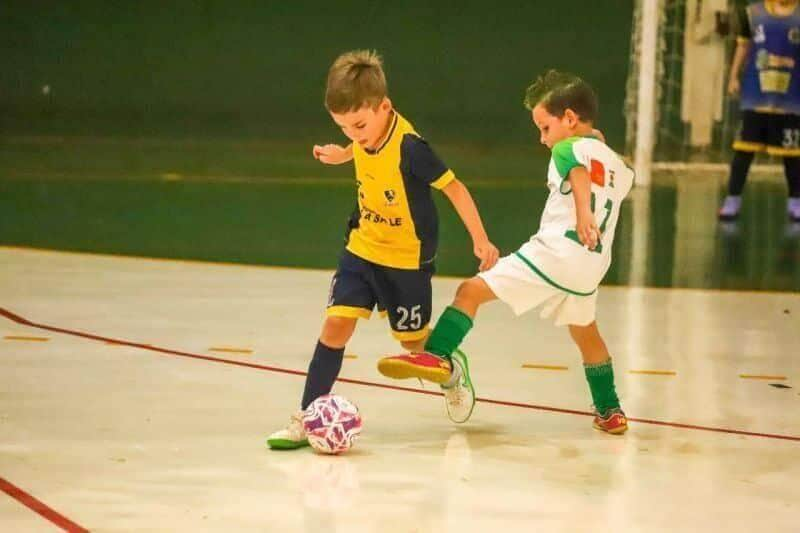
{"points": [[365, 126], [552, 128]]}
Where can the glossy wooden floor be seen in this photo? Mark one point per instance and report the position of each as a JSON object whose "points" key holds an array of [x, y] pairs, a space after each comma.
{"points": [[136, 394]]}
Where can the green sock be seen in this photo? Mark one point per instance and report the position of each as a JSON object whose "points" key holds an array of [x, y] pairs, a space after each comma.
{"points": [[450, 330], [601, 382]]}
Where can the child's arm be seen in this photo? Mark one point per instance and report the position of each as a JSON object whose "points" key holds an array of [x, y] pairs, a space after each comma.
{"points": [[743, 40], [462, 201], [586, 226], [739, 56], [333, 154]]}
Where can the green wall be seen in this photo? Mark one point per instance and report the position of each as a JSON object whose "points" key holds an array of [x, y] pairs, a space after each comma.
{"points": [[256, 69]]}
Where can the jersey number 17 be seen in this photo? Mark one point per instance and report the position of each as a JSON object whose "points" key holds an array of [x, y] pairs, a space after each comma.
{"points": [[573, 235]]}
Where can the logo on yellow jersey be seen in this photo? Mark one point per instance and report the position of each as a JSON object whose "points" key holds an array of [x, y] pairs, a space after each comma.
{"points": [[390, 197], [369, 215]]}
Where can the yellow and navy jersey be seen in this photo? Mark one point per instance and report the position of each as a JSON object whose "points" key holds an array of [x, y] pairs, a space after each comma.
{"points": [[395, 223]]}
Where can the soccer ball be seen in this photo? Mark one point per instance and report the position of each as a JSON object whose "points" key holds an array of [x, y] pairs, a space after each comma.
{"points": [[331, 423]]}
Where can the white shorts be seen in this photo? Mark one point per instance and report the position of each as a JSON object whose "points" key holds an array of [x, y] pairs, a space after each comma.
{"points": [[517, 284]]}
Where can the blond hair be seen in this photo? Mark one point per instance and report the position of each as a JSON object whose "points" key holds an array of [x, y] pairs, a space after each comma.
{"points": [[355, 79]]}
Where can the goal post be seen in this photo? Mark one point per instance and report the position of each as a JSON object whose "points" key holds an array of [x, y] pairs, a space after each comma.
{"points": [[646, 81]]}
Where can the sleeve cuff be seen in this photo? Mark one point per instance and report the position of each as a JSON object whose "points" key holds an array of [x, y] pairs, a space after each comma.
{"points": [[444, 180]]}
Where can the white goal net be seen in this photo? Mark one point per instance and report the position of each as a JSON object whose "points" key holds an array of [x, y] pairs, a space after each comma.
{"points": [[678, 113]]}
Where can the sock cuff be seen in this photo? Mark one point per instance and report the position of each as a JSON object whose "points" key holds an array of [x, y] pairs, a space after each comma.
{"points": [[599, 369], [458, 317], [327, 349]]}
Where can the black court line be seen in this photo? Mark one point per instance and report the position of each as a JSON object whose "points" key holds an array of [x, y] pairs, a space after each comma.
{"points": [[20, 320]]}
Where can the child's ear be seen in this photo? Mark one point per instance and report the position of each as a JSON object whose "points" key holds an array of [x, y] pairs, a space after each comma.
{"points": [[572, 117], [386, 104]]}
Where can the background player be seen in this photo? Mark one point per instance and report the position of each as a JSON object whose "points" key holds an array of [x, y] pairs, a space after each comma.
{"points": [[769, 46]]}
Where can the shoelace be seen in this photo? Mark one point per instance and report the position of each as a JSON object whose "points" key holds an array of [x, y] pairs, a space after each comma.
{"points": [[607, 414], [456, 396], [296, 425]]}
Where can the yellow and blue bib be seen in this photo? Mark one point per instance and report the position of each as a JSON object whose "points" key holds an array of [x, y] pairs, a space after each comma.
{"points": [[771, 80]]}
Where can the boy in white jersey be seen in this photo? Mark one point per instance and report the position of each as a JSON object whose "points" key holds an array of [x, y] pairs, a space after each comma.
{"points": [[561, 266]]}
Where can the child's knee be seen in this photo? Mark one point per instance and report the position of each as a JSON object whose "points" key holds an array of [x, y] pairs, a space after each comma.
{"points": [[472, 293], [469, 290], [337, 330], [583, 332]]}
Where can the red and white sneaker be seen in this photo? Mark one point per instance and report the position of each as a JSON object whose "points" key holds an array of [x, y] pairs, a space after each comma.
{"points": [[420, 365], [613, 421]]}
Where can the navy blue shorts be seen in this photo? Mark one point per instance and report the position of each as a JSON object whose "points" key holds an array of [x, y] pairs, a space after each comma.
{"points": [[774, 133], [359, 286]]}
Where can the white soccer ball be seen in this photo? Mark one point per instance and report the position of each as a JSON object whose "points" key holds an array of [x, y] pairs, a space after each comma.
{"points": [[331, 423]]}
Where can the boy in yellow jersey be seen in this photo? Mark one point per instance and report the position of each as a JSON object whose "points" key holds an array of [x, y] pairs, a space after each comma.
{"points": [[388, 260], [560, 267]]}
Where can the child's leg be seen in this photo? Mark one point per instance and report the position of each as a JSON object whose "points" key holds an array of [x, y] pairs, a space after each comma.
{"points": [[327, 361], [597, 365], [457, 319], [322, 373], [450, 330], [791, 168], [414, 346], [470, 295], [740, 166], [757, 131]]}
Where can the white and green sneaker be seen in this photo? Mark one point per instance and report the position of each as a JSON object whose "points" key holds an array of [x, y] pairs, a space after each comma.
{"points": [[290, 438], [459, 394]]}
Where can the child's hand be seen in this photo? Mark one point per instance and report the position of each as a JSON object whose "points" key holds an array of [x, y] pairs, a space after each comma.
{"points": [[586, 228], [734, 86], [487, 253], [332, 154]]}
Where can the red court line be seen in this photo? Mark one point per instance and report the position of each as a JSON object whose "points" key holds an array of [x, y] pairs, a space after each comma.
{"points": [[39, 507], [20, 320]]}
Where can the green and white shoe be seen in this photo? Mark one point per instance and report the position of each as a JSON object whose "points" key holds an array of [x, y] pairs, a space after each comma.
{"points": [[459, 394], [290, 438]]}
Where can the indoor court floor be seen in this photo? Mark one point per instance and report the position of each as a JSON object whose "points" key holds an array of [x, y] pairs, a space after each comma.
{"points": [[136, 395]]}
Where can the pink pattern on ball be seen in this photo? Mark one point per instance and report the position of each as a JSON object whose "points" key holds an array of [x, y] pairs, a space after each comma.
{"points": [[332, 423]]}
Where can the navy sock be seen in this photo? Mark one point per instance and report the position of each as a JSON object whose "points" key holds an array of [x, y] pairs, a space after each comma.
{"points": [[322, 372], [740, 165], [791, 167]]}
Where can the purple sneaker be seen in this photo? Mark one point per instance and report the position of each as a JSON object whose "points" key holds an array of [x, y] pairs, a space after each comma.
{"points": [[793, 209], [730, 208]]}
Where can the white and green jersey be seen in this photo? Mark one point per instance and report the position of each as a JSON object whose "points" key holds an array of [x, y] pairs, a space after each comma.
{"points": [[555, 252]]}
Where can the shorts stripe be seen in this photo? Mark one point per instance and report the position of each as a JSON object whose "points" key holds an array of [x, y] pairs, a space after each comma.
{"points": [[548, 280], [347, 311], [411, 335], [783, 152], [744, 146]]}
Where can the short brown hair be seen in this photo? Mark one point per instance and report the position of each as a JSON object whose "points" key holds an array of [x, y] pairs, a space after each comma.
{"points": [[355, 79], [559, 91]]}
